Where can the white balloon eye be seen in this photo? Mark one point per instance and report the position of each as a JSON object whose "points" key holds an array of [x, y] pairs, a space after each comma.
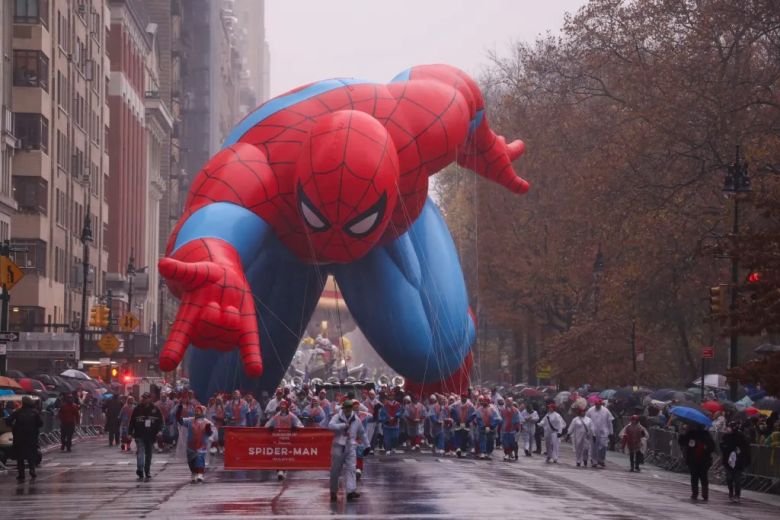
{"points": [[365, 223], [313, 218], [364, 226]]}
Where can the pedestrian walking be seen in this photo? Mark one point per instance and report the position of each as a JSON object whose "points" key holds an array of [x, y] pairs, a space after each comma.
{"points": [[487, 421], [199, 430], [462, 414], [285, 420], [25, 423], [580, 431], [69, 418], [553, 426], [349, 434], [530, 418], [735, 454], [145, 423], [124, 423], [631, 438], [390, 416], [602, 431], [112, 410], [697, 446]]}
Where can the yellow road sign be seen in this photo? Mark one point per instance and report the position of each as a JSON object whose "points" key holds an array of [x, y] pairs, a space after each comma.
{"points": [[128, 322], [108, 343], [10, 274]]}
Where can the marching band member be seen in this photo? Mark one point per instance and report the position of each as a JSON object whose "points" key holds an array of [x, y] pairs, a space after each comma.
{"points": [[237, 410], [487, 421], [216, 413], [314, 415], [372, 424], [437, 414], [253, 416], [389, 416], [273, 404], [414, 415], [462, 414]]}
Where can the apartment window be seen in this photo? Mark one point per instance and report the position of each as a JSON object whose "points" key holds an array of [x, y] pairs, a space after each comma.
{"points": [[33, 130], [32, 11], [5, 230], [31, 194], [59, 265], [31, 69], [34, 258]]}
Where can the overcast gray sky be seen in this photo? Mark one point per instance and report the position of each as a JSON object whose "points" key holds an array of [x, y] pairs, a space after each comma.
{"points": [[375, 39]]}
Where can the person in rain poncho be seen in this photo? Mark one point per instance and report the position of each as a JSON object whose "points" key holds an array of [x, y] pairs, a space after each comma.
{"points": [[349, 434], [199, 430], [553, 426], [313, 415], [437, 415], [697, 446], [285, 420], [529, 419], [581, 433], [735, 455], [390, 415], [632, 438], [602, 430], [124, 423]]}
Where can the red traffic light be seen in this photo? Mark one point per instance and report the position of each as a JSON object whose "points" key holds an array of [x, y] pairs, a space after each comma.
{"points": [[754, 277], [127, 378]]}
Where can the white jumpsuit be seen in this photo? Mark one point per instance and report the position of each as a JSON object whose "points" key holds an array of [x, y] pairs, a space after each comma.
{"points": [[553, 424], [349, 433], [581, 432]]}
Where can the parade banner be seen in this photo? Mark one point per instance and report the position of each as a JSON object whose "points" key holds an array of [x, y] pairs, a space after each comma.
{"points": [[261, 448]]}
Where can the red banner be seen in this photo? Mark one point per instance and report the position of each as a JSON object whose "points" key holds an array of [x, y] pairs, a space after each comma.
{"points": [[261, 448]]}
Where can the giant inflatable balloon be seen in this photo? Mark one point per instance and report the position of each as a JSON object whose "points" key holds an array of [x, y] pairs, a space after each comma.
{"points": [[332, 178]]}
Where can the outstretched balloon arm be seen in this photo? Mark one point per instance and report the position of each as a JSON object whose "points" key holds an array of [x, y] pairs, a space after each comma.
{"points": [[483, 151], [212, 245], [216, 309]]}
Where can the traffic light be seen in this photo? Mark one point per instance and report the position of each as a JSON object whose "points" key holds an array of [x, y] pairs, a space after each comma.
{"points": [[718, 296], [754, 277], [114, 372], [98, 316]]}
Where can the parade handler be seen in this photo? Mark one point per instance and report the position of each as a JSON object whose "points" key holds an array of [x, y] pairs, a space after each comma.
{"points": [[349, 433]]}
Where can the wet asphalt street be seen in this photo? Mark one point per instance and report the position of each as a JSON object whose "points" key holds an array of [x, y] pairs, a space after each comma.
{"points": [[98, 482]]}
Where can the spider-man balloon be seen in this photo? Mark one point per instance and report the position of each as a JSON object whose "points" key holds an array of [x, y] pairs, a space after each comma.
{"points": [[332, 178]]}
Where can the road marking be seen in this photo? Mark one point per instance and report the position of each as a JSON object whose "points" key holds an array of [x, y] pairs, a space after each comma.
{"points": [[161, 462], [444, 461], [123, 463], [89, 463], [51, 464], [411, 461]]}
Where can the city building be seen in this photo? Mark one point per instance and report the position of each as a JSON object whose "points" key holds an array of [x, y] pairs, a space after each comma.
{"points": [[139, 139], [172, 43], [60, 168], [8, 140], [256, 57]]}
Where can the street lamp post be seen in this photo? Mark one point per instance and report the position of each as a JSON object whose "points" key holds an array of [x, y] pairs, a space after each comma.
{"points": [[598, 274], [130, 276], [86, 238], [737, 183]]}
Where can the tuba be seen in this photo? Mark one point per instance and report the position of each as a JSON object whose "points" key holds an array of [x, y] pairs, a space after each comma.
{"points": [[383, 380], [399, 381], [297, 381]]}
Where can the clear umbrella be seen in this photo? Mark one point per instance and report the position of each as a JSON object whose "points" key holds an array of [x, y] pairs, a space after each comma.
{"points": [[713, 381], [75, 374]]}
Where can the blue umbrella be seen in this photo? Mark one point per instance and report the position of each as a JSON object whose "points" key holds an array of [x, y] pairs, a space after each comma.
{"points": [[6, 391], [691, 414]]}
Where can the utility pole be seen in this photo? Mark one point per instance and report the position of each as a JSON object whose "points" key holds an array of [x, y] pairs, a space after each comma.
{"points": [[5, 297], [130, 276], [633, 348], [86, 238], [737, 184]]}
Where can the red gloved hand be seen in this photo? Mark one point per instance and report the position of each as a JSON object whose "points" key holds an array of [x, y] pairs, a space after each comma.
{"points": [[216, 310]]}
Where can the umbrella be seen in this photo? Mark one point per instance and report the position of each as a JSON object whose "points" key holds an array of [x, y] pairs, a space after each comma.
{"points": [[7, 382], [713, 381], [530, 392], [6, 391], [743, 403], [767, 348], [107, 395], [750, 411], [75, 374], [691, 415], [593, 398], [712, 406], [768, 403], [561, 397], [668, 394], [608, 394], [31, 385], [581, 403]]}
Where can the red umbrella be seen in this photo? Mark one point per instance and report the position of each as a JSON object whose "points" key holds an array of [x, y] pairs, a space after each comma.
{"points": [[530, 392], [31, 385], [712, 406], [751, 411]]}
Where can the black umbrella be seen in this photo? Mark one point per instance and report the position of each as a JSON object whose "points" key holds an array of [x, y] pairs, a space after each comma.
{"points": [[668, 394], [768, 403]]}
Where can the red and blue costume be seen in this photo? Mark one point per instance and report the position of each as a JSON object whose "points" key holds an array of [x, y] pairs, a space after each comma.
{"points": [[332, 178], [390, 416]]}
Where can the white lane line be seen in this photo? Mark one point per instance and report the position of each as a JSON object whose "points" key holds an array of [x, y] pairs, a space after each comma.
{"points": [[89, 463], [445, 461], [51, 464], [411, 461], [123, 463], [161, 462]]}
